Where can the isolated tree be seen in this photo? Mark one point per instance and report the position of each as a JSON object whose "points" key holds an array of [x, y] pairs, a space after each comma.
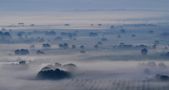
{"points": [[40, 52], [93, 34], [50, 33], [112, 26], [59, 38], [66, 24], [22, 62], [53, 74], [60, 45], [104, 39], [167, 54], [123, 31], [46, 45], [73, 46], [82, 47], [22, 52], [96, 46], [133, 35], [151, 31], [64, 45], [82, 51], [144, 51], [162, 77], [99, 24], [99, 43], [119, 36]]}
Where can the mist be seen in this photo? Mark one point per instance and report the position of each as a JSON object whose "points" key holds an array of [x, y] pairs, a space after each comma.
{"points": [[106, 57], [84, 45]]}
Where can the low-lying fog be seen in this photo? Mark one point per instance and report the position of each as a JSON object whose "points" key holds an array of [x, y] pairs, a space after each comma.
{"points": [[123, 57]]}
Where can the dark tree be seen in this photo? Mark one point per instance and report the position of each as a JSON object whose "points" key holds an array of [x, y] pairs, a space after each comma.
{"points": [[123, 31], [40, 52], [112, 26], [64, 45], [82, 51], [99, 24], [73, 46], [82, 47], [53, 74], [46, 45], [93, 34], [144, 51], [162, 77], [119, 36], [133, 35], [167, 54], [96, 46], [22, 62], [22, 52], [99, 43], [104, 39]]}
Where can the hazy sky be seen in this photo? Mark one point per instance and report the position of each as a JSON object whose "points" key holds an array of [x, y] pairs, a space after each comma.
{"points": [[52, 5]]}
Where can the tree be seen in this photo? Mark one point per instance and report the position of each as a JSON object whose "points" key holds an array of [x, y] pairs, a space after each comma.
{"points": [[82, 47], [55, 74], [73, 46], [22, 52], [40, 52], [46, 45], [133, 35], [144, 51], [123, 31], [63, 45], [96, 46]]}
